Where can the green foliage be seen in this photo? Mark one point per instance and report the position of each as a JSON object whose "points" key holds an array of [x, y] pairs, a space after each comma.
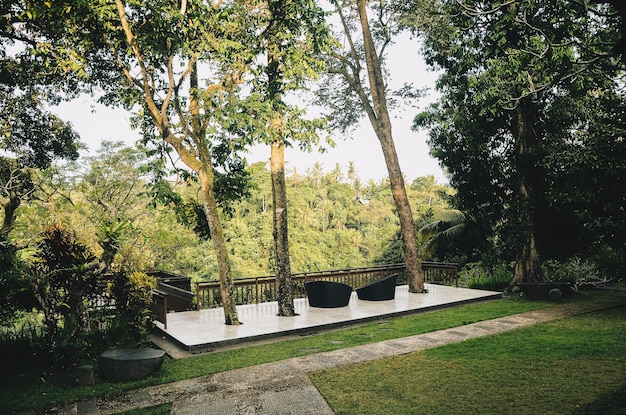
{"points": [[66, 282], [481, 277], [335, 220], [20, 339], [610, 261], [62, 286], [574, 270], [529, 129], [133, 295], [14, 286]]}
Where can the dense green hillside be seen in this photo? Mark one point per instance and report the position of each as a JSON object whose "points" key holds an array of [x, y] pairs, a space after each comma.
{"points": [[335, 220]]}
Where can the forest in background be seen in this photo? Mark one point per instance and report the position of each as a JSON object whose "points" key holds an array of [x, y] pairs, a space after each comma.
{"points": [[336, 221]]}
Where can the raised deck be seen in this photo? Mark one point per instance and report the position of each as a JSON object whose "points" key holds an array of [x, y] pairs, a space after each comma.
{"points": [[205, 329]]}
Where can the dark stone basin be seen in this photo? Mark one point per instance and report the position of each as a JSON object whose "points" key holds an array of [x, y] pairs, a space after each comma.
{"points": [[541, 290], [130, 364]]}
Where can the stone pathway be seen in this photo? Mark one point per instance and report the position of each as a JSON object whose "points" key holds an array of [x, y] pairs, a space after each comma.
{"points": [[283, 388]]}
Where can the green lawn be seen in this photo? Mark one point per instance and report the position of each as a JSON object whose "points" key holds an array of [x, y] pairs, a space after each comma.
{"points": [[24, 393], [570, 366]]}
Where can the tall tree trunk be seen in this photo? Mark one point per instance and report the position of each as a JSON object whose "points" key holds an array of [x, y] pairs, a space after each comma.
{"points": [[219, 243], [205, 173], [527, 265], [201, 163], [382, 127], [277, 167], [281, 239]]}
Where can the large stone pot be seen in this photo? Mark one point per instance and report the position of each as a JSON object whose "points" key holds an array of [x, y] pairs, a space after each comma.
{"points": [[130, 364], [543, 290]]}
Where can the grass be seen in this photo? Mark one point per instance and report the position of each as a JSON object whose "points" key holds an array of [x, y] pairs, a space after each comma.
{"points": [[570, 366], [27, 393]]}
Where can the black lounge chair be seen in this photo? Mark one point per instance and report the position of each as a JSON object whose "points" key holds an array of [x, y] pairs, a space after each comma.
{"points": [[327, 294], [380, 290]]}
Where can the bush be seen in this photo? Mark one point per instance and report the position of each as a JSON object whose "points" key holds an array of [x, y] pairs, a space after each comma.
{"points": [[573, 271], [610, 262], [133, 296], [19, 344], [68, 282], [479, 277], [578, 272]]}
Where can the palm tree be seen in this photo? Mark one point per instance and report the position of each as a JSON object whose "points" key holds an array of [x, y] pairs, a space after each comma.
{"points": [[336, 175], [452, 223], [352, 173], [316, 174]]}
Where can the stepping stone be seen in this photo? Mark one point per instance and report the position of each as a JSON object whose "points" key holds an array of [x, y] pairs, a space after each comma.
{"points": [[311, 350]]}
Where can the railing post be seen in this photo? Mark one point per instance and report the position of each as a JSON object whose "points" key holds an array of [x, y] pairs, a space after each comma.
{"points": [[198, 299]]}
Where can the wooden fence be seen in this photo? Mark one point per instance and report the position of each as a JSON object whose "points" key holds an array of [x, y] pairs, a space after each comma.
{"points": [[263, 289]]}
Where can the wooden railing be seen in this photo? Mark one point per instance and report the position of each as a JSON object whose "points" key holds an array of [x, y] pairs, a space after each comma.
{"points": [[263, 289]]}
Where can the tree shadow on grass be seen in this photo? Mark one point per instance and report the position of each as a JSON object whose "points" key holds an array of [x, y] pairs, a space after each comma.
{"points": [[613, 403]]}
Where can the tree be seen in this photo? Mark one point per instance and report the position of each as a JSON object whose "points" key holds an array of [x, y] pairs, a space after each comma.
{"points": [[62, 284], [113, 182], [32, 138], [184, 107], [512, 74], [294, 35], [41, 63], [349, 96], [620, 45]]}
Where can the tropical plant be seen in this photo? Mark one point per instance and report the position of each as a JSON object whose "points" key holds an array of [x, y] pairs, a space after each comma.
{"points": [[480, 276], [132, 293], [63, 281]]}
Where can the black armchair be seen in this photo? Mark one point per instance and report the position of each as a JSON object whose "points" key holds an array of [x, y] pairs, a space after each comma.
{"points": [[327, 294], [380, 290]]}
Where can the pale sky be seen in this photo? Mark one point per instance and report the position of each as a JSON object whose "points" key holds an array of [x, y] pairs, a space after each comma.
{"points": [[95, 123]]}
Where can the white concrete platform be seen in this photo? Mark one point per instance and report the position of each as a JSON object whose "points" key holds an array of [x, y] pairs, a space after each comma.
{"points": [[205, 329]]}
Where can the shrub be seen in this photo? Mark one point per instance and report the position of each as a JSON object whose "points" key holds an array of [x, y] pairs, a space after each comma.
{"points": [[610, 262], [133, 296], [19, 344], [576, 271], [69, 283], [571, 271], [477, 276], [62, 282]]}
